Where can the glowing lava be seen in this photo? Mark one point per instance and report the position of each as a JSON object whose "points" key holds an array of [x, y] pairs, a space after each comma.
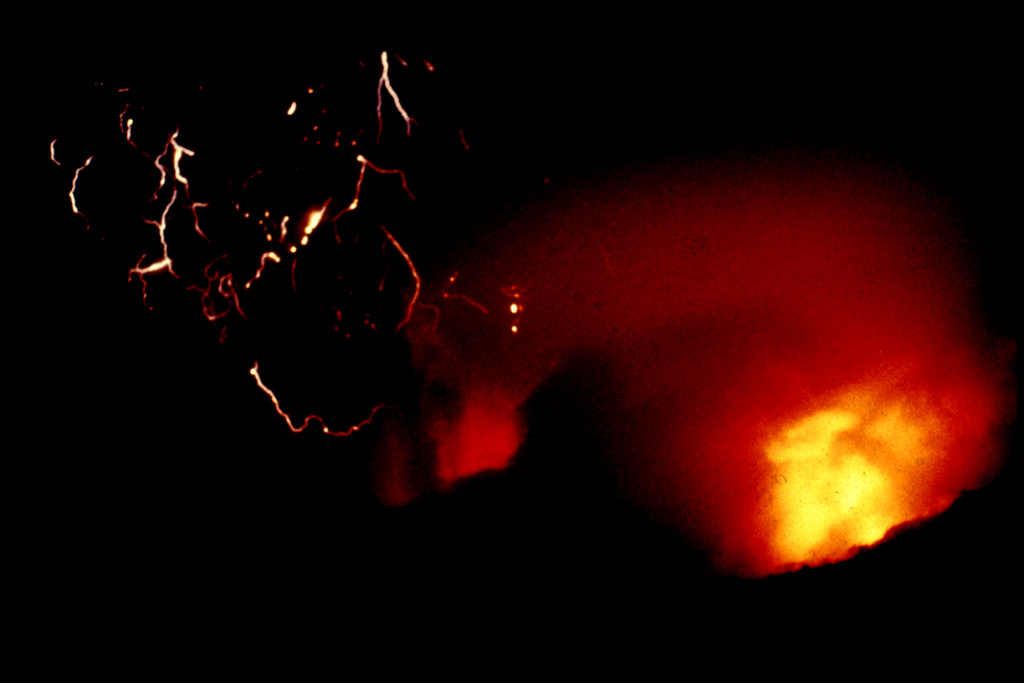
{"points": [[846, 475], [795, 366]]}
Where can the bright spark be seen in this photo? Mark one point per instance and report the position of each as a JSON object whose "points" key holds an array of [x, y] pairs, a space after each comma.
{"points": [[52, 158], [314, 219]]}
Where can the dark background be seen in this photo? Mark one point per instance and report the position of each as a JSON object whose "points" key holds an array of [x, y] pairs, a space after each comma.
{"points": [[159, 482]]}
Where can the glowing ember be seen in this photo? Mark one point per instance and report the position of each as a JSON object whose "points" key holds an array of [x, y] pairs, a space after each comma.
{"points": [[313, 219]]}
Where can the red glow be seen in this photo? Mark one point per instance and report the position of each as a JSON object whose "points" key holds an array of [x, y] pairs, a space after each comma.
{"points": [[484, 437], [738, 303]]}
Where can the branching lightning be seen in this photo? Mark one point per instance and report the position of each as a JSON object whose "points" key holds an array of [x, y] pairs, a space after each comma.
{"points": [[354, 204], [219, 289], [385, 82]]}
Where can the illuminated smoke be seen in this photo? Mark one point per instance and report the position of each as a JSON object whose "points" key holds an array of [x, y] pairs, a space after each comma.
{"points": [[799, 362]]}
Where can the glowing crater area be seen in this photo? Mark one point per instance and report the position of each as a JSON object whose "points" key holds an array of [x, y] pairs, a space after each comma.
{"points": [[846, 475]]}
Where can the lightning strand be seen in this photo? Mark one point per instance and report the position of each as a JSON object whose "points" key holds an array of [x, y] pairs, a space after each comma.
{"points": [[385, 82], [255, 372], [415, 277], [74, 186]]}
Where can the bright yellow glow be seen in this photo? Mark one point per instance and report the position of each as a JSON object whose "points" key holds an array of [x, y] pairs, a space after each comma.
{"points": [[314, 220], [845, 475], [514, 308], [292, 108]]}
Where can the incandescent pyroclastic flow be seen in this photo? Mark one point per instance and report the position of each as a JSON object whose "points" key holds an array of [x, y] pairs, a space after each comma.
{"points": [[784, 347]]}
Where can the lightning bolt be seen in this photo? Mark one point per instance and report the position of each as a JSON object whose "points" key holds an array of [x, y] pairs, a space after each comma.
{"points": [[263, 260], [365, 163], [385, 82], [162, 264], [415, 277], [74, 186], [255, 372]]}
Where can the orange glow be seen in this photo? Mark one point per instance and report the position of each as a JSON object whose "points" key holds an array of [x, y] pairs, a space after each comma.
{"points": [[848, 473], [795, 367]]}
